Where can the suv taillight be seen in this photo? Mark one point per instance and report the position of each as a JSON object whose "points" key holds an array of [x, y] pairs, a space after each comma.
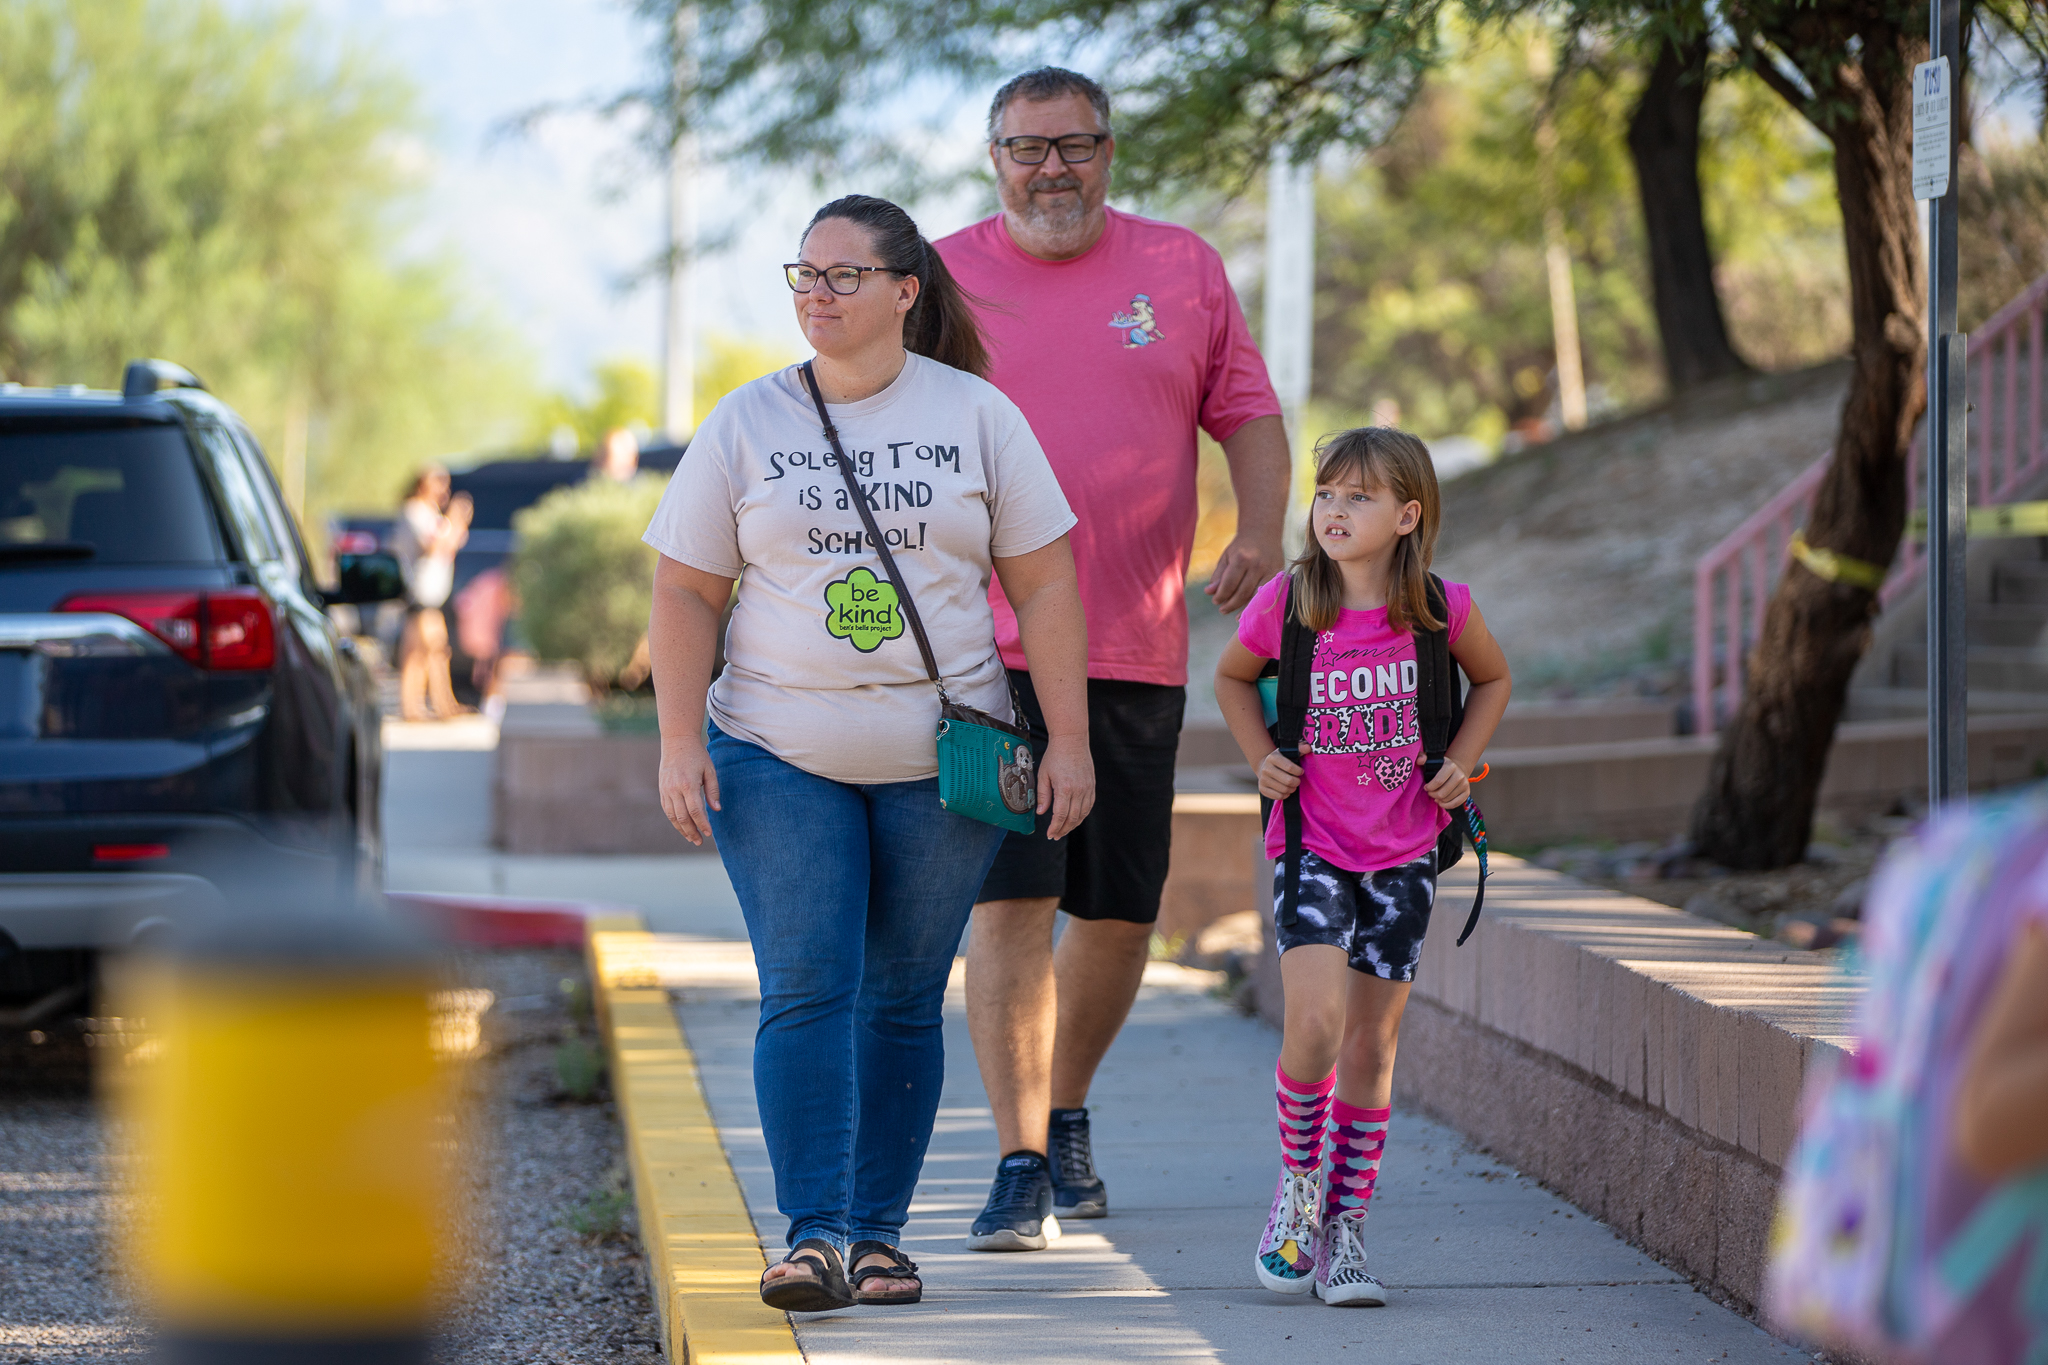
{"points": [[230, 629]]}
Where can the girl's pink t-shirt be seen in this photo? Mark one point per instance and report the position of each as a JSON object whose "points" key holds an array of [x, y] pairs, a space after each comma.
{"points": [[1362, 804]]}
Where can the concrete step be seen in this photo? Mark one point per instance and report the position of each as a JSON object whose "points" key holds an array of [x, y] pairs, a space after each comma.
{"points": [[1994, 668], [2020, 581], [2006, 623], [1910, 703]]}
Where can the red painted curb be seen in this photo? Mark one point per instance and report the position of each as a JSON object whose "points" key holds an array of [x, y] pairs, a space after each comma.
{"points": [[501, 921]]}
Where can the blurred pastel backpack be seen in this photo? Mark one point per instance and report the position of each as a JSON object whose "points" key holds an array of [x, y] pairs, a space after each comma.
{"points": [[1882, 1240]]}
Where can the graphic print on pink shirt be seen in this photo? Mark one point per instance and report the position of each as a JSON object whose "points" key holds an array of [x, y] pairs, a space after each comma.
{"points": [[1362, 803], [1116, 358]]}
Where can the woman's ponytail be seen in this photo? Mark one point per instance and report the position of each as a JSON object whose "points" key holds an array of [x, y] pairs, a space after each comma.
{"points": [[941, 323]]}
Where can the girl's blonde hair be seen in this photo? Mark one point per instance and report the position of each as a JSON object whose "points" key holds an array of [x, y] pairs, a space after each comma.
{"points": [[1378, 457]]}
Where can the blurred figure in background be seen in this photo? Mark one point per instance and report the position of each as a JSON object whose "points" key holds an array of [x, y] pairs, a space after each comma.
{"points": [[617, 457], [431, 527]]}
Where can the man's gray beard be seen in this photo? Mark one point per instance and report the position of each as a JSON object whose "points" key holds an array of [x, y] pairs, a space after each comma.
{"points": [[1053, 220]]}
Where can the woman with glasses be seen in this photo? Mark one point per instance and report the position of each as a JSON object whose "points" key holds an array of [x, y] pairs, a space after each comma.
{"points": [[816, 771]]}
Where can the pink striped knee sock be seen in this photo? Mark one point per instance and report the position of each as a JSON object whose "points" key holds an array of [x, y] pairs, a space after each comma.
{"points": [[1356, 1138], [1303, 1111]]}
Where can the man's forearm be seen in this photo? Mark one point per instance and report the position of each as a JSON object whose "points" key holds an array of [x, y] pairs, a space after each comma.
{"points": [[1261, 476], [1054, 634]]}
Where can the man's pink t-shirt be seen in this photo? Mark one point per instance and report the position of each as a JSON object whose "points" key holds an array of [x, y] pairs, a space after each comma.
{"points": [[1362, 803], [1115, 357]]}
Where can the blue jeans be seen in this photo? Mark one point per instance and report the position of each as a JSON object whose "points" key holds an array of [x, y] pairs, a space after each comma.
{"points": [[855, 898]]}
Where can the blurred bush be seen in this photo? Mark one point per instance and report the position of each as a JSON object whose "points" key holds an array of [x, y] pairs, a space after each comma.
{"points": [[586, 580]]}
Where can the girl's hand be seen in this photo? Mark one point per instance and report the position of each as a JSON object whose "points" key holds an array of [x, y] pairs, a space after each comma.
{"points": [[689, 787], [1066, 783], [1449, 787], [1277, 777]]}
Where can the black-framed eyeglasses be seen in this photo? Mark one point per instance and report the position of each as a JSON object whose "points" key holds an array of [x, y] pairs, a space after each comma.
{"points": [[1075, 148], [840, 279]]}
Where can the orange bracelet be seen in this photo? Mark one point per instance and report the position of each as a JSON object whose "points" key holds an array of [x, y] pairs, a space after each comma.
{"points": [[1480, 776]]}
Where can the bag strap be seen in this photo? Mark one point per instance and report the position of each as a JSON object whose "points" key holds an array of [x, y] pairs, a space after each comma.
{"points": [[867, 519], [1297, 660], [1438, 713]]}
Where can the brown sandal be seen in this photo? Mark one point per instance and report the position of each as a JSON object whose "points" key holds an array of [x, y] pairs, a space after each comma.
{"points": [[901, 1267]]}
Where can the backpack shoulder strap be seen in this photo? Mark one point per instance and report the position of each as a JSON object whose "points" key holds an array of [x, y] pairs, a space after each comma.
{"points": [[1297, 660], [1436, 691]]}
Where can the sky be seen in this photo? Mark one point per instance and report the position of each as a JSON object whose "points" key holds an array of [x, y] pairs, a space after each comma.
{"points": [[553, 225]]}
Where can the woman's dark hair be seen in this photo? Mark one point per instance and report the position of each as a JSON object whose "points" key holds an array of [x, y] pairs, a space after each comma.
{"points": [[939, 324]]}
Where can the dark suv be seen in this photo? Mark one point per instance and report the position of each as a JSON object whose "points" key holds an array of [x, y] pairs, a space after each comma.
{"points": [[178, 718]]}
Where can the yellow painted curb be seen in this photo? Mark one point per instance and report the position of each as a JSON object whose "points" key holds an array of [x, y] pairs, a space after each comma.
{"points": [[702, 1252]]}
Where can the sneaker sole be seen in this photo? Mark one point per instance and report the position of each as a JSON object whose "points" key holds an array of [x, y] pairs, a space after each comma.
{"points": [[1305, 1285], [1009, 1239], [1087, 1208], [1353, 1296]]}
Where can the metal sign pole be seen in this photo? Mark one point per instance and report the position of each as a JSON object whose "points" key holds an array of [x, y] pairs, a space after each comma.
{"points": [[1936, 90]]}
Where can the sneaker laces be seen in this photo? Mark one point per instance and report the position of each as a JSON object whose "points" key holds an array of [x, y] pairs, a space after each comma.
{"points": [[1347, 1247], [1073, 1162], [1012, 1185], [1297, 1213]]}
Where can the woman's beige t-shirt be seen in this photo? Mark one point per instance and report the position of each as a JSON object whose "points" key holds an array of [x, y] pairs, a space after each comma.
{"points": [[821, 668]]}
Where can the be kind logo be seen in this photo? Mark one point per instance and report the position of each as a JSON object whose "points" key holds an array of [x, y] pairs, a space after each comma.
{"points": [[862, 610]]}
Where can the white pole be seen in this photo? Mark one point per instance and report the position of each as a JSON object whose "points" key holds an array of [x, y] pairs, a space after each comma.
{"points": [[1290, 295], [678, 350]]}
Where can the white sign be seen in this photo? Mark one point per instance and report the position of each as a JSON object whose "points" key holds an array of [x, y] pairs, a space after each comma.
{"points": [[1933, 96]]}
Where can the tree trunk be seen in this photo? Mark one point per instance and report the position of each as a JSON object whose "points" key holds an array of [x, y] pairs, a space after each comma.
{"points": [[1757, 810], [1664, 140]]}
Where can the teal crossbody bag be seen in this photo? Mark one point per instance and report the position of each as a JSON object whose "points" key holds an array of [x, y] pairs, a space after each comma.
{"points": [[987, 771]]}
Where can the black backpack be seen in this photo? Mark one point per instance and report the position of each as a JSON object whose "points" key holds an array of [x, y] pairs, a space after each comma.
{"points": [[1440, 710]]}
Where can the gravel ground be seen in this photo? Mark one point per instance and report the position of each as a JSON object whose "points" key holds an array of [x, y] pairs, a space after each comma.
{"points": [[549, 1269]]}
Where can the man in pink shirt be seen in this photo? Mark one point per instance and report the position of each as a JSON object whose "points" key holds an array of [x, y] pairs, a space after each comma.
{"points": [[1119, 337]]}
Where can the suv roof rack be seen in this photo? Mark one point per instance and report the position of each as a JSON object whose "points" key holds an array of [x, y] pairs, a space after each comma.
{"points": [[144, 377]]}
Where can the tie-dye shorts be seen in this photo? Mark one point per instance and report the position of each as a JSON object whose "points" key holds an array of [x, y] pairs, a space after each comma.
{"points": [[1377, 918]]}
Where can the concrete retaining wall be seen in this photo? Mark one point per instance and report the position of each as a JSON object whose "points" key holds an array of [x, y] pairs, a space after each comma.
{"points": [[1645, 789], [564, 785], [1644, 1062]]}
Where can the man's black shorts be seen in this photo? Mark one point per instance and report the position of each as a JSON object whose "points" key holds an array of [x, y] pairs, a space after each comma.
{"points": [[1114, 865]]}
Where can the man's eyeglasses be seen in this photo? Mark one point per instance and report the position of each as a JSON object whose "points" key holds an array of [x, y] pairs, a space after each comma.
{"points": [[1075, 148], [840, 279]]}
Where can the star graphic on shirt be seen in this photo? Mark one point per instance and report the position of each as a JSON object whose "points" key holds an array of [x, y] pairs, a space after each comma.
{"points": [[1362, 777]]}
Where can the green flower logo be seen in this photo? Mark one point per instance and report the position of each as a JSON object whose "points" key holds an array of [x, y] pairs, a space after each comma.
{"points": [[862, 609]]}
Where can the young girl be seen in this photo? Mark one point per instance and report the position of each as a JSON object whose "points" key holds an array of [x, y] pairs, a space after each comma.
{"points": [[1369, 831]]}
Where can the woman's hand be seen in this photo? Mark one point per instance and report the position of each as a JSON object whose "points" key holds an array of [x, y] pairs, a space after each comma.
{"points": [[1449, 787], [1278, 777], [689, 787], [1066, 783]]}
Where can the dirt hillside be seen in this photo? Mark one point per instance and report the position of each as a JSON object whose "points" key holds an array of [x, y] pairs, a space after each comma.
{"points": [[1581, 552]]}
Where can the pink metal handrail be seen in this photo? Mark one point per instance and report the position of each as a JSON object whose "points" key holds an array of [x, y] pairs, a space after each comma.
{"points": [[1732, 582]]}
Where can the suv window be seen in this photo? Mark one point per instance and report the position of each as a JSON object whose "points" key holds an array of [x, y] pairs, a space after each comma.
{"points": [[244, 504], [116, 495], [282, 531]]}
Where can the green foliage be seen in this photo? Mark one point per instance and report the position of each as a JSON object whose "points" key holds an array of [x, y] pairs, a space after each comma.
{"points": [[628, 395], [727, 362], [602, 1216], [1432, 289], [223, 188], [584, 577], [580, 1068]]}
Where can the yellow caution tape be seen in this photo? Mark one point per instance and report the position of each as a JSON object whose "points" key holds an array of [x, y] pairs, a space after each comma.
{"points": [[1991, 523], [1836, 568]]}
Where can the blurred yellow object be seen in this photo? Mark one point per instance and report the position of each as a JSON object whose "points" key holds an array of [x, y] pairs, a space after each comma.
{"points": [[287, 1127]]}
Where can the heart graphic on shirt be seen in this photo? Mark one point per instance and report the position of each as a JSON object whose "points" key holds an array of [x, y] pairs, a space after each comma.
{"points": [[1393, 772]]}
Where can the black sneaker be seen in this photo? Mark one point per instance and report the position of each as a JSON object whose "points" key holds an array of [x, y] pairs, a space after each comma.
{"points": [[1076, 1190], [1018, 1216]]}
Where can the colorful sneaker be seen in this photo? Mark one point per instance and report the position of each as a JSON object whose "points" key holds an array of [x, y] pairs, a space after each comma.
{"points": [[1019, 1214], [1341, 1276], [1077, 1191], [1286, 1262]]}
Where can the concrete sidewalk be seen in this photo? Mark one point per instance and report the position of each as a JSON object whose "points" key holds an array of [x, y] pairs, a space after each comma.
{"points": [[1483, 1265]]}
